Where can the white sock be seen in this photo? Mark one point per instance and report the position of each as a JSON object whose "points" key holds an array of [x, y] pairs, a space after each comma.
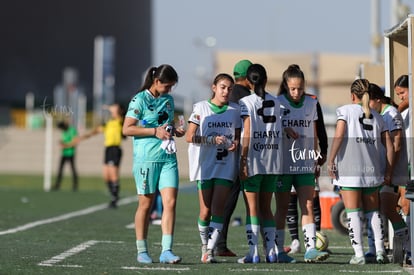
{"points": [[309, 232], [214, 234], [371, 239], [270, 239], [355, 232], [203, 230], [252, 232], [375, 222], [280, 240]]}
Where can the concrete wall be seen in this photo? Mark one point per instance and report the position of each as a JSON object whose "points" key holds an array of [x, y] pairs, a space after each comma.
{"points": [[23, 152]]}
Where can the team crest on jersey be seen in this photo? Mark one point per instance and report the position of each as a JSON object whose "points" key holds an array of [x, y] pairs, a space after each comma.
{"points": [[168, 106], [279, 184], [397, 123], [285, 111]]}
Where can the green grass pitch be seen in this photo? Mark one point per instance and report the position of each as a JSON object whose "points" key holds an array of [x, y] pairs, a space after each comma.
{"points": [[75, 233]]}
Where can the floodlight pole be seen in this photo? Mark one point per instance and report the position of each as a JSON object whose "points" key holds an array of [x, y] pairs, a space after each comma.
{"points": [[376, 38], [47, 176]]}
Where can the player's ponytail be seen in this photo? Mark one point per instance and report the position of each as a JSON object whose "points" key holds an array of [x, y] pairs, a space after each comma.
{"points": [[360, 88], [365, 105], [257, 76], [165, 73]]}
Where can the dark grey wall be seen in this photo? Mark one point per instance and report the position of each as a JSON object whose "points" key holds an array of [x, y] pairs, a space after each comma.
{"points": [[40, 38]]}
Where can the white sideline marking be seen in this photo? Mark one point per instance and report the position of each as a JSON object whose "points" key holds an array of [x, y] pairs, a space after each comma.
{"points": [[67, 216], [130, 226], [263, 270], [370, 271], [73, 251], [156, 268]]}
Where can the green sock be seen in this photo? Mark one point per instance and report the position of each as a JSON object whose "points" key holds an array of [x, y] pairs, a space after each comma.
{"points": [[166, 243], [142, 246]]}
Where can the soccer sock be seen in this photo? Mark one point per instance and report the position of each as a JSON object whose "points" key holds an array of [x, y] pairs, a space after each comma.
{"points": [[280, 240], [317, 212], [408, 222], [203, 230], [401, 230], [375, 222], [141, 246], [115, 188], [216, 225], [112, 187], [269, 232], [355, 230], [252, 233], [166, 243], [292, 217], [309, 232], [371, 239]]}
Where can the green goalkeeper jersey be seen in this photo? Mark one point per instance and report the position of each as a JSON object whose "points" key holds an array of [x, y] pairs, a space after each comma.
{"points": [[151, 112]]}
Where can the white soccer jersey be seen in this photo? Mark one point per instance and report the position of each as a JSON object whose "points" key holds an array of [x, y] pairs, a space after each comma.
{"points": [[394, 121], [406, 118], [360, 159], [264, 154], [299, 155], [209, 161]]}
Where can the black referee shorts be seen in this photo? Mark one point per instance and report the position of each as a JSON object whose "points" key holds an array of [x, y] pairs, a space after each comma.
{"points": [[113, 155]]}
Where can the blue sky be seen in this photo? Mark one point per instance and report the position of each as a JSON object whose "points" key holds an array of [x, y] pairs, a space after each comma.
{"points": [[264, 25]]}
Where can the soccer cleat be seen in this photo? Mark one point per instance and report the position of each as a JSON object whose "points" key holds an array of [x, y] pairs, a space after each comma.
{"points": [[249, 259], [382, 258], [370, 257], [357, 260], [313, 255], [282, 257], [272, 258], [167, 257], [144, 258], [295, 247], [113, 205], [208, 257], [203, 251]]}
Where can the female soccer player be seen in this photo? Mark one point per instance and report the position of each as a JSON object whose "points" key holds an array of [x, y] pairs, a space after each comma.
{"points": [[299, 113], [214, 134], [389, 195], [260, 162], [154, 167], [356, 164]]}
